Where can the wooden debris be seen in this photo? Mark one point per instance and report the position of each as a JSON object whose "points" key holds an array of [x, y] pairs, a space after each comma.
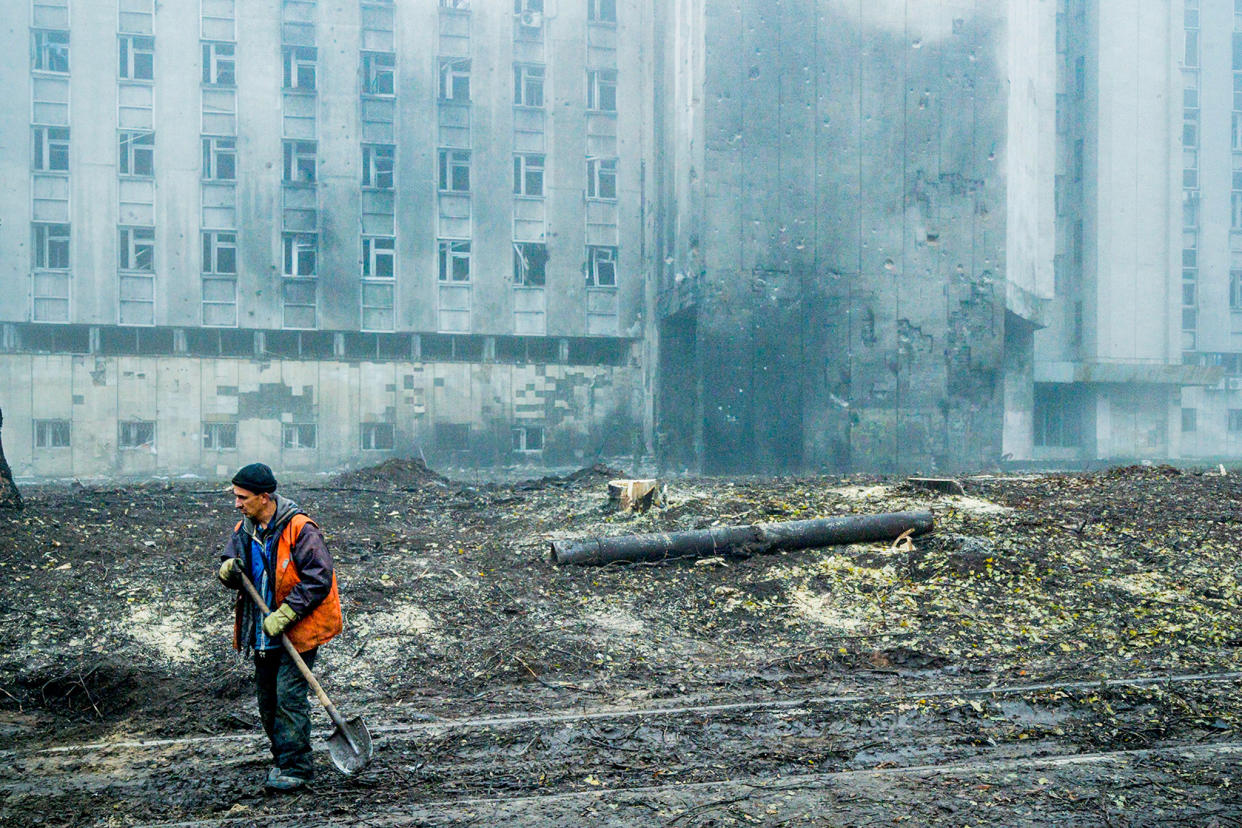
{"points": [[636, 495]]}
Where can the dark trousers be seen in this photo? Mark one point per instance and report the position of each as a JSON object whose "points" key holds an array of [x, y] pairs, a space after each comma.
{"points": [[285, 710]]}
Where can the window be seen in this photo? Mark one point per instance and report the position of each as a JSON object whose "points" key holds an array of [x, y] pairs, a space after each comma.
{"points": [[51, 433], [459, 5], [1058, 413], [454, 261], [1190, 134], [1190, 208], [51, 148], [135, 434], [379, 73], [601, 266], [602, 11], [455, 80], [299, 63], [377, 304], [452, 436], [1236, 132], [220, 253], [50, 51], [1190, 319], [137, 57], [219, 158], [299, 254], [379, 254], [137, 249], [1192, 48], [602, 178], [220, 301], [602, 90], [1235, 205], [299, 299], [1235, 420], [1235, 290], [528, 175], [1190, 293], [298, 435], [528, 85], [377, 165], [136, 154], [51, 246], [530, 263], [300, 162], [377, 437], [528, 438], [1190, 419], [219, 436], [219, 64], [454, 171]]}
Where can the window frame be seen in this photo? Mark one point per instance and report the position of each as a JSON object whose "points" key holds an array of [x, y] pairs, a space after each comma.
{"points": [[301, 162], [213, 151], [219, 63], [451, 78], [46, 432], [372, 430], [596, 12], [296, 429], [136, 243], [528, 270], [212, 433], [215, 242], [601, 259], [599, 88], [47, 248], [452, 162], [449, 253], [131, 429], [294, 60], [375, 250], [522, 438], [600, 171], [529, 174], [49, 51], [373, 69], [128, 52], [45, 148], [528, 77], [374, 176], [295, 246], [133, 146]]}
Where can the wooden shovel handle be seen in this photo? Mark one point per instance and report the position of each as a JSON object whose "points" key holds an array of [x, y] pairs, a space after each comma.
{"points": [[336, 717]]}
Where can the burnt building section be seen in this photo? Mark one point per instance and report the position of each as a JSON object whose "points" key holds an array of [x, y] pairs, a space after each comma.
{"points": [[856, 220], [322, 234]]}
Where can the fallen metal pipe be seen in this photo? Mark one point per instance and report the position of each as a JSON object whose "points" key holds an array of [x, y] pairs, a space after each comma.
{"points": [[740, 541]]}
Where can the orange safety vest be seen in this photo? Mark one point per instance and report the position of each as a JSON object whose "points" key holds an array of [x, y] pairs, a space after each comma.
{"points": [[323, 622]]}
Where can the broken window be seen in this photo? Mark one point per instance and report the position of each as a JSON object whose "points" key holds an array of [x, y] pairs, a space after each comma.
{"points": [[300, 162], [454, 171], [137, 249], [219, 436], [51, 433], [379, 254], [455, 80], [377, 437], [377, 165], [299, 63], [300, 254], [298, 436], [51, 148], [219, 64], [601, 266], [51, 246], [1058, 415], [220, 252], [602, 90], [459, 5], [136, 154], [135, 434], [379, 73], [602, 11], [50, 50], [528, 438], [528, 175], [528, 85], [452, 436], [219, 158], [454, 260], [602, 178], [136, 57], [530, 261]]}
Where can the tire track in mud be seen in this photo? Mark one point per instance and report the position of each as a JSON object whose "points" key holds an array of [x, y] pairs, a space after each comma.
{"points": [[677, 797], [502, 758]]}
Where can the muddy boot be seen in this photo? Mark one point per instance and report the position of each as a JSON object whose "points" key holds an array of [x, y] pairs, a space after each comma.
{"points": [[283, 781]]}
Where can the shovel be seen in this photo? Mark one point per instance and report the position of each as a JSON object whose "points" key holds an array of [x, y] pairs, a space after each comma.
{"points": [[349, 744]]}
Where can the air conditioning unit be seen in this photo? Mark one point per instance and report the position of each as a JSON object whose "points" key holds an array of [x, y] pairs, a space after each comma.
{"points": [[531, 19], [1233, 383]]}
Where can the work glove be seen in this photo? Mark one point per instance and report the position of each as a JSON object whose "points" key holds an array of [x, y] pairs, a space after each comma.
{"points": [[230, 573], [279, 621]]}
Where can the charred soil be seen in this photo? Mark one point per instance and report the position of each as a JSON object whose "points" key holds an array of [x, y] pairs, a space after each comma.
{"points": [[1060, 651]]}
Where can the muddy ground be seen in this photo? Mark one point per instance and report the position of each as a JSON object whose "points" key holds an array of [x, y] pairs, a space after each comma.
{"points": [[1062, 651]]}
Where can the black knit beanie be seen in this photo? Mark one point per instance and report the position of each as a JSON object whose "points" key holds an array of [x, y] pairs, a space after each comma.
{"points": [[257, 478]]}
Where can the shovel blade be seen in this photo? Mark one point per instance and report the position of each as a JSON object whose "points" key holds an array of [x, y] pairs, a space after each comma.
{"points": [[350, 748]]}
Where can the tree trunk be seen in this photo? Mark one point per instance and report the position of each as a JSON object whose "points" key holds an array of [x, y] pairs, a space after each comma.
{"points": [[10, 497]]}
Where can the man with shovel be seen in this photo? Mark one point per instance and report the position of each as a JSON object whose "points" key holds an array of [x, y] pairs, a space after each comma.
{"points": [[282, 552]]}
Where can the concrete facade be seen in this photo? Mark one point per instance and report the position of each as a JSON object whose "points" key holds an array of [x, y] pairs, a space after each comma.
{"points": [[857, 225]]}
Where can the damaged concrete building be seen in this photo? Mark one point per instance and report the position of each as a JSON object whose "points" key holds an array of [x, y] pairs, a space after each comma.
{"points": [[735, 236]]}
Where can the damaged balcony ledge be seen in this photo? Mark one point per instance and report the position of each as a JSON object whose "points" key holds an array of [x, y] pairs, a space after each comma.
{"points": [[1148, 373]]}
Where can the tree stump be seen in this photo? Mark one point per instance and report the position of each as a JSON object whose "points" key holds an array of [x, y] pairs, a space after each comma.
{"points": [[10, 497]]}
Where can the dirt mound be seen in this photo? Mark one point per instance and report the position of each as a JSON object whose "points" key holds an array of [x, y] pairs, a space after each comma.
{"points": [[1144, 471], [582, 477], [397, 473]]}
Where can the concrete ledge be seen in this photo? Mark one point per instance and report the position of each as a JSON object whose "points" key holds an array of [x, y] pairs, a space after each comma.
{"points": [[1103, 373]]}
